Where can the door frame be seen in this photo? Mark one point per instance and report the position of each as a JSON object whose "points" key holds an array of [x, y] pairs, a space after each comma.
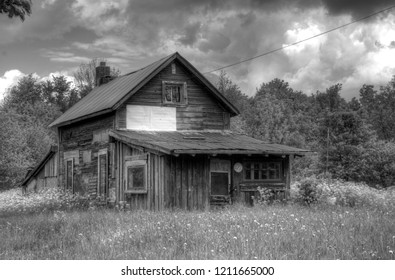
{"points": [[218, 165]]}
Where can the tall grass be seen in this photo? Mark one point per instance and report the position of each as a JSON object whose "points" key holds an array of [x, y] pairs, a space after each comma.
{"points": [[290, 231]]}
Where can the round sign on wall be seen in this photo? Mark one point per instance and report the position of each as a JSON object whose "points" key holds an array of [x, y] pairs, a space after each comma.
{"points": [[238, 167]]}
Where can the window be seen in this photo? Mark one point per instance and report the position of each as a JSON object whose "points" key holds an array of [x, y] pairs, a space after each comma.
{"points": [[102, 173], [69, 174], [174, 92], [262, 171], [136, 176]]}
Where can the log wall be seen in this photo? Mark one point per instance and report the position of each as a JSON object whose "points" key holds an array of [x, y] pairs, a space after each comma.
{"points": [[82, 142]]}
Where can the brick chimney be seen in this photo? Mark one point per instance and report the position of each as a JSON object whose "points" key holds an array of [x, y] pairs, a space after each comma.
{"points": [[102, 74]]}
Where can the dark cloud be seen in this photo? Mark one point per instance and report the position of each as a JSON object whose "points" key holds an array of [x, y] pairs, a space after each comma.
{"points": [[190, 35], [356, 8], [215, 42]]}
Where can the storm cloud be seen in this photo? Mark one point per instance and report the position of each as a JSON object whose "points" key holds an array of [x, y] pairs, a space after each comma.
{"points": [[213, 34]]}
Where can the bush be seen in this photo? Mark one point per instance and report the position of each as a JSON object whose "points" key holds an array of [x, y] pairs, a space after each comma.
{"points": [[44, 200], [337, 192], [307, 192], [377, 164], [265, 196]]}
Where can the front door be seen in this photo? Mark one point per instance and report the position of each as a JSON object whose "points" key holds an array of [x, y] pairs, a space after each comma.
{"points": [[220, 181]]}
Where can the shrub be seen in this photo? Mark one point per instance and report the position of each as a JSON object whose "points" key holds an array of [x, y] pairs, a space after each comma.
{"points": [[337, 192], [377, 164], [307, 192], [265, 196]]}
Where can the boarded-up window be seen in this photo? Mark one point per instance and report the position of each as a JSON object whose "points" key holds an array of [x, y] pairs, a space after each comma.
{"points": [[136, 176], [262, 171], [69, 174], [102, 173], [151, 118]]}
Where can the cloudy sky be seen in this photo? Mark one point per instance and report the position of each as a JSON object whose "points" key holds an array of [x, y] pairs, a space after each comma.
{"points": [[59, 35]]}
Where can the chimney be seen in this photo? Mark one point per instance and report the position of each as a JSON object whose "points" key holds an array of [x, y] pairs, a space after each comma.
{"points": [[102, 74]]}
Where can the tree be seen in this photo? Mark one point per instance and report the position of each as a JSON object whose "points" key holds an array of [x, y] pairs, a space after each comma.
{"points": [[330, 100], [343, 136], [16, 8], [85, 76], [379, 109], [25, 137], [59, 91]]}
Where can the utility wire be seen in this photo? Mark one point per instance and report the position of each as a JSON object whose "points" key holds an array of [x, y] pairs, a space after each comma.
{"points": [[301, 41]]}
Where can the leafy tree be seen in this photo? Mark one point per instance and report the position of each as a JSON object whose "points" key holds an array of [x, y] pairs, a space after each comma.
{"points": [[25, 136], [85, 76], [268, 119], [343, 137], [59, 92], [330, 100], [379, 109], [16, 8], [233, 93], [27, 90]]}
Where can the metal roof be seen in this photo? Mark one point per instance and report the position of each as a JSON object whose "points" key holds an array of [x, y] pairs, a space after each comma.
{"points": [[202, 142], [108, 97]]}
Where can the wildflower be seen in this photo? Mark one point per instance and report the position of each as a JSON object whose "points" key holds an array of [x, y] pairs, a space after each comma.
{"points": [[391, 252], [234, 237]]}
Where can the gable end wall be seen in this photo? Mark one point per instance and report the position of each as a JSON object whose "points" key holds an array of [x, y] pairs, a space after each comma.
{"points": [[202, 110]]}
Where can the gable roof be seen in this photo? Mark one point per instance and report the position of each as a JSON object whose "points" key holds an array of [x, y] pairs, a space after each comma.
{"points": [[202, 142], [110, 96]]}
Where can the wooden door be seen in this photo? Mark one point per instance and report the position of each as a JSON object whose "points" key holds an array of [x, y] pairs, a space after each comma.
{"points": [[219, 181]]}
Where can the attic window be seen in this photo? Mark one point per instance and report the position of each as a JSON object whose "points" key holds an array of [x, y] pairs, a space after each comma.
{"points": [[174, 92], [173, 68]]}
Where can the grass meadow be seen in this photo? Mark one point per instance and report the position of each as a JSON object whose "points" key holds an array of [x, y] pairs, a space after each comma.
{"points": [[41, 226]]}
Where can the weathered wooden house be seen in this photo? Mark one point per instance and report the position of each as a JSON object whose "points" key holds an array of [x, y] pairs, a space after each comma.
{"points": [[159, 138]]}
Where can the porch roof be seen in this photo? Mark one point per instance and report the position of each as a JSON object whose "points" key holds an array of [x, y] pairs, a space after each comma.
{"points": [[202, 142]]}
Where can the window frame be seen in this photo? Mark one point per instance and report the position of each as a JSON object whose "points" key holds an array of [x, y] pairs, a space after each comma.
{"points": [[252, 179], [133, 164], [103, 152], [183, 93], [72, 174]]}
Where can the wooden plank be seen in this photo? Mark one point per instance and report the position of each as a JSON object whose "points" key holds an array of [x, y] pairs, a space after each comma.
{"points": [[149, 181], [178, 182], [190, 183], [196, 183], [184, 183]]}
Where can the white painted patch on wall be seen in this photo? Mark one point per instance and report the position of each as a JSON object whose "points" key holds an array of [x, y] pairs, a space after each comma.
{"points": [[151, 118]]}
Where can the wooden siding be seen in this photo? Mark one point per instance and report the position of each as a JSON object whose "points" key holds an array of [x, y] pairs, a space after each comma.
{"points": [[201, 111], [243, 190], [51, 166], [173, 182], [78, 142]]}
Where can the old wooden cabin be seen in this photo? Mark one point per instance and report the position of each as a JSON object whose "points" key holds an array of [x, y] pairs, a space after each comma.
{"points": [[160, 137]]}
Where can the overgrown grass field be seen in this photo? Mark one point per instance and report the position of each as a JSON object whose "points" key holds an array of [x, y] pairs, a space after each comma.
{"points": [[291, 231]]}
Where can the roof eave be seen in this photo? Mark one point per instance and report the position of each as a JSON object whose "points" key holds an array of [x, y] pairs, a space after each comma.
{"points": [[36, 170], [144, 81], [233, 110]]}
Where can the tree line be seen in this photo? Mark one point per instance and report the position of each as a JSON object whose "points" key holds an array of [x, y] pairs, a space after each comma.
{"points": [[350, 140], [27, 110]]}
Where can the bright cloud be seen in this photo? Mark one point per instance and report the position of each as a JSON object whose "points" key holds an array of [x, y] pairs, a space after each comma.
{"points": [[9, 79]]}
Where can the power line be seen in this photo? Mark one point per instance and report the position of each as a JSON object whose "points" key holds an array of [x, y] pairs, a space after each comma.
{"points": [[301, 41]]}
